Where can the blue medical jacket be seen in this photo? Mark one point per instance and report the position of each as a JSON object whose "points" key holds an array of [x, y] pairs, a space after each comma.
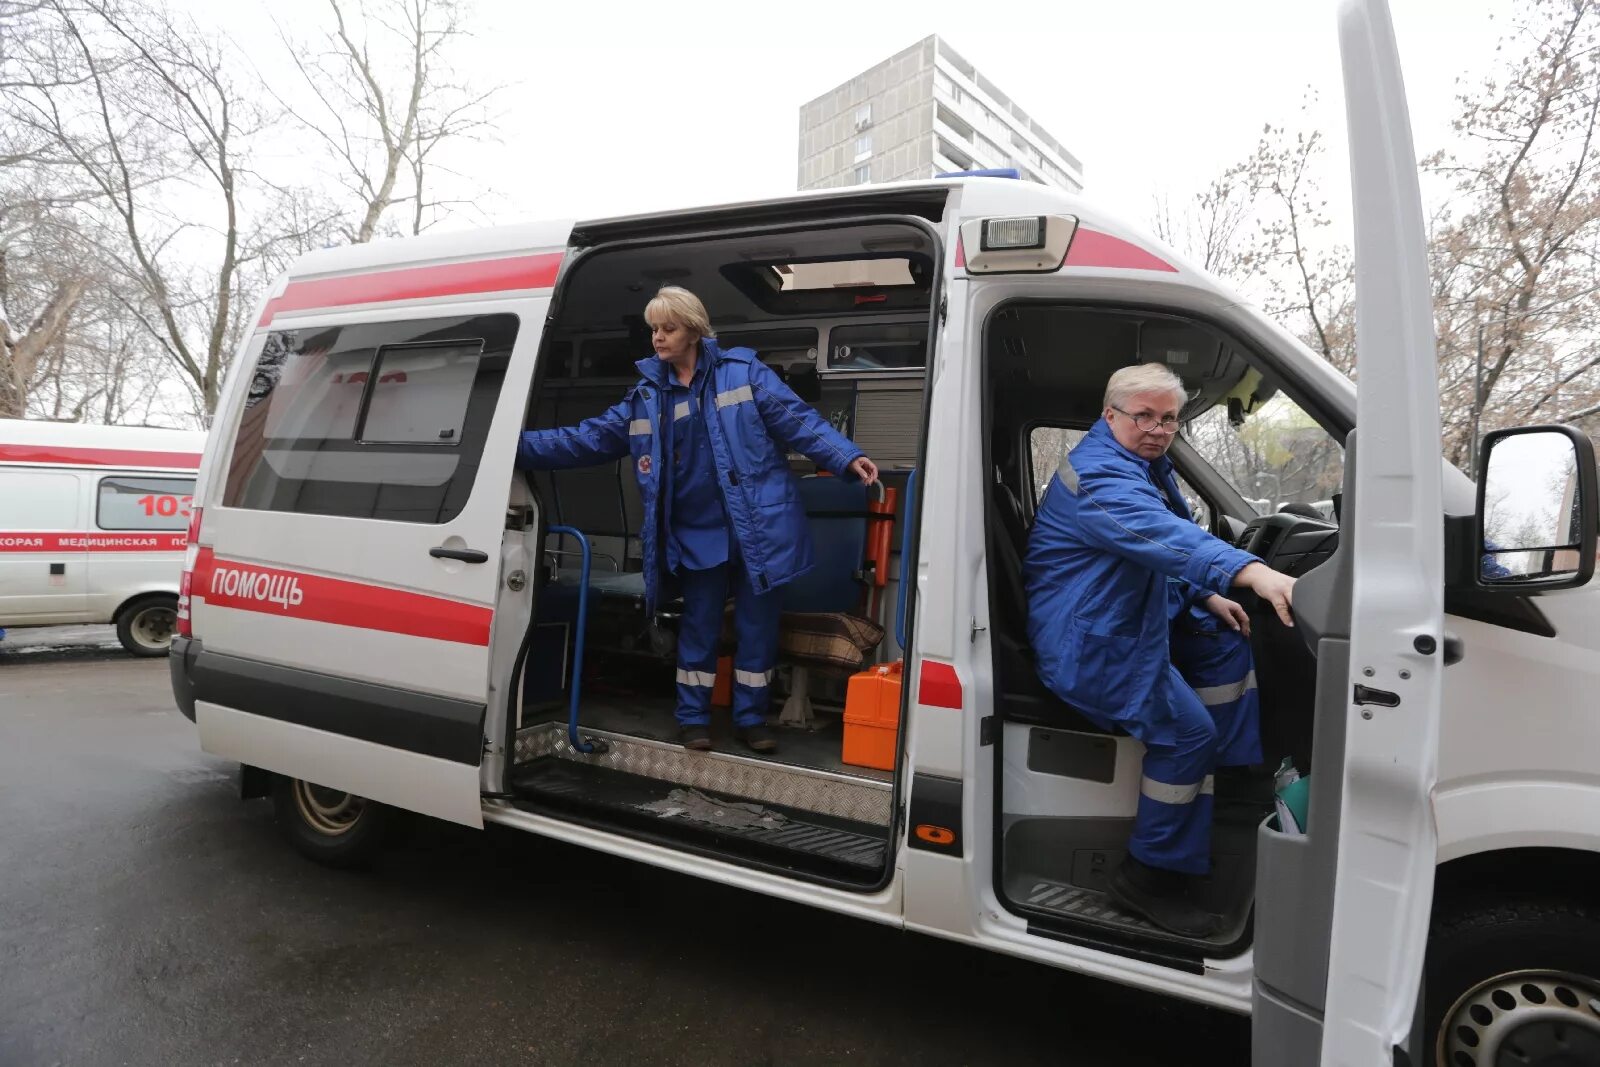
{"points": [[752, 420], [1110, 532]]}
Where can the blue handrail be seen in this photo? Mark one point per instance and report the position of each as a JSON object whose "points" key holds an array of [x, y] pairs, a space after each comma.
{"points": [[905, 559], [578, 743]]}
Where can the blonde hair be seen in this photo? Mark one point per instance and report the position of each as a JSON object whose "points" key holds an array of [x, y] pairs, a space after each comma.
{"points": [[673, 303], [1130, 382]]}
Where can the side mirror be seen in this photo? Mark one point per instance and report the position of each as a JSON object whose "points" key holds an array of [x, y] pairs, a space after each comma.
{"points": [[1537, 519]]}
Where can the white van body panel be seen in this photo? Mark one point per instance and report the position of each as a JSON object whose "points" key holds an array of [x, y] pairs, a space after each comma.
{"points": [[1517, 742]]}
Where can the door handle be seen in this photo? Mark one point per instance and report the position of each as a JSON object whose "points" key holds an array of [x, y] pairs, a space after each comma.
{"points": [[465, 555]]}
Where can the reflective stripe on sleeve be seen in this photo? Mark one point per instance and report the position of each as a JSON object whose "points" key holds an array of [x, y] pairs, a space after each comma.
{"points": [[729, 397]]}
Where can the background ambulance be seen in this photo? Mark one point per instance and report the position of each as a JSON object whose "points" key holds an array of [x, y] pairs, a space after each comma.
{"points": [[92, 522]]}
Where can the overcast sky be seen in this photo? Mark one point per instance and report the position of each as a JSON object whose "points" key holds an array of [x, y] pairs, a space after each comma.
{"points": [[620, 107]]}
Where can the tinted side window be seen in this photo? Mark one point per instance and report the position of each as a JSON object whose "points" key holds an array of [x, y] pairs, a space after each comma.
{"points": [[132, 503], [879, 347], [381, 420], [1047, 447]]}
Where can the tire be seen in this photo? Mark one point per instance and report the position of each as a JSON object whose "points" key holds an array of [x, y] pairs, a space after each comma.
{"points": [[146, 625], [1514, 981], [334, 828]]}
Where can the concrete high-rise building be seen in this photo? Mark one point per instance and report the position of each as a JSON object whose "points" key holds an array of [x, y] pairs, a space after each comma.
{"points": [[918, 113]]}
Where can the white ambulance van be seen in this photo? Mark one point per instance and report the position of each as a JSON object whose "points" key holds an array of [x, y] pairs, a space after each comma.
{"points": [[381, 613], [92, 522]]}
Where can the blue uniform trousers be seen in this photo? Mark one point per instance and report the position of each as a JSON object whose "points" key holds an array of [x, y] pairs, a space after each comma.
{"points": [[1212, 719], [755, 619]]}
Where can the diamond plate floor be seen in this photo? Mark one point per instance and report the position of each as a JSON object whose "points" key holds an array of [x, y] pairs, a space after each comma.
{"points": [[750, 777], [651, 718]]}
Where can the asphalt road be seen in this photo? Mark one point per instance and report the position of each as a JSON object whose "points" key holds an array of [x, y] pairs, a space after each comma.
{"points": [[148, 916]]}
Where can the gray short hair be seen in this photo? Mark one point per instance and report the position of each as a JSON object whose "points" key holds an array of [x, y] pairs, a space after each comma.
{"points": [[1140, 378], [673, 303]]}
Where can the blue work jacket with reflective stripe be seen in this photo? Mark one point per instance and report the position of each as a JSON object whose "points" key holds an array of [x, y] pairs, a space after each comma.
{"points": [[752, 423], [1103, 545]]}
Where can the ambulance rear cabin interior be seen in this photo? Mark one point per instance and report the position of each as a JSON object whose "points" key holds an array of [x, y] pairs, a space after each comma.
{"points": [[1258, 471], [841, 312]]}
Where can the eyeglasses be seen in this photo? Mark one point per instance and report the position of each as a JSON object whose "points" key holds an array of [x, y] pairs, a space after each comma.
{"points": [[1149, 423]]}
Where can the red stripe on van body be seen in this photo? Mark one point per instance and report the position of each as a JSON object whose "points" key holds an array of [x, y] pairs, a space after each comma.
{"points": [[98, 457], [1091, 248], [419, 283], [70, 541], [225, 583]]}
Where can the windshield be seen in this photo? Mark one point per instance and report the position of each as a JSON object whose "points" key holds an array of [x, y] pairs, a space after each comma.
{"points": [[1278, 456]]}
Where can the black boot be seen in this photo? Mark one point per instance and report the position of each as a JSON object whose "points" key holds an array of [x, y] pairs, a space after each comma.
{"points": [[1162, 897], [759, 738], [695, 737]]}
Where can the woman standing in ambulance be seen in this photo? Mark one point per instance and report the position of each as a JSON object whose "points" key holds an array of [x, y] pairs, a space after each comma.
{"points": [[709, 432]]}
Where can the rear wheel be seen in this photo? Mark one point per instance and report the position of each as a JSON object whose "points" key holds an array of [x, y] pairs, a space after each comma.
{"points": [[1515, 982], [145, 626], [330, 826]]}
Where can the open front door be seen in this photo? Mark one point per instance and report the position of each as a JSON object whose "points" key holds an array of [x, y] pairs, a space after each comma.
{"points": [[1342, 909], [1383, 879]]}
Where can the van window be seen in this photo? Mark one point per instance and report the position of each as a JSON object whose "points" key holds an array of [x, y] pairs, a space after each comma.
{"points": [[419, 394], [132, 503], [376, 420], [879, 347], [1047, 447], [38, 500]]}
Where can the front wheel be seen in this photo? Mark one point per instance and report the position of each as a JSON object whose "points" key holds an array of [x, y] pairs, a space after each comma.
{"points": [[1515, 981], [330, 826], [145, 626]]}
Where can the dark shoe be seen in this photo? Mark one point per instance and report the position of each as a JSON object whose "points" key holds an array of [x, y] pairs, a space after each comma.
{"points": [[757, 738], [695, 737], [1161, 896]]}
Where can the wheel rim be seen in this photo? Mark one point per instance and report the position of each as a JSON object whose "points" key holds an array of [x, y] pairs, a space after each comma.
{"points": [[327, 811], [1525, 1019], [152, 627]]}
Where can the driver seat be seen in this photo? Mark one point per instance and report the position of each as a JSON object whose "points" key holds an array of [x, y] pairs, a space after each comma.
{"points": [[1021, 696]]}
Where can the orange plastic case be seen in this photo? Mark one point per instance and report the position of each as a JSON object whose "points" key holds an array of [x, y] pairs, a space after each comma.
{"points": [[872, 717]]}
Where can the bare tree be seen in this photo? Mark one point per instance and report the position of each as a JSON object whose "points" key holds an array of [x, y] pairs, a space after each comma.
{"points": [[1211, 225], [389, 96], [146, 115], [1517, 259], [43, 278]]}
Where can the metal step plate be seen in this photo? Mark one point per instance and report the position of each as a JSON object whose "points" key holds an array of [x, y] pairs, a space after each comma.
{"points": [[842, 796], [694, 812], [1074, 902]]}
